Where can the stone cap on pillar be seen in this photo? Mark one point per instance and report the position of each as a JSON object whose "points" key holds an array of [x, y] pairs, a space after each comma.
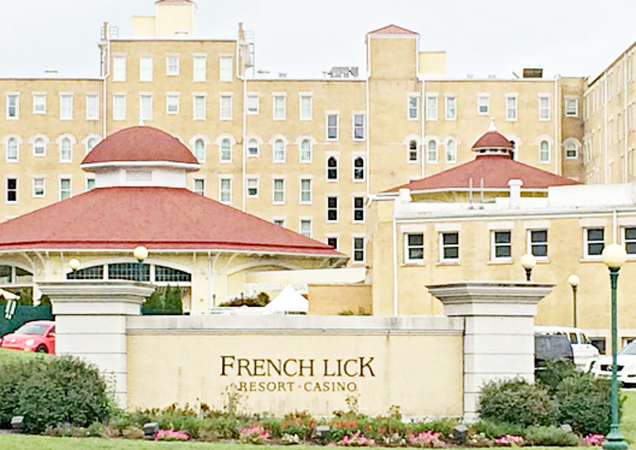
{"points": [[100, 297], [490, 298]]}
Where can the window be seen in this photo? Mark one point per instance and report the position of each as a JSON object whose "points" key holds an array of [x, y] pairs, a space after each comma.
{"points": [[358, 168], [279, 107], [198, 68], [305, 191], [332, 209], [65, 188], [333, 242], [501, 245], [431, 108], [571, 151], [119, 107], [305, 227], [90, 184], [413, 153], [13, 106], [544, 108], [225, 190], [414, 248], [199, 186], [544, 152], [252, 187], [145, 107], [629, 239], [358, 127], [90, 144], [172, 103], [538, 243], [431, 152], [451, 152], [66, 150], [449, 247], [12, 150], [413, 108], [39, 147], [451, 108], [279, 151], [305, 107], [38, 187], [358, 249], [225, 112], [594, 242], [511, 107], [199, 150], [198, 107], [332, 127], [92, 107], [483, 105], [225, 68], [279, 221], [172, 65], [332, 168], [252, 147], [571, 107], [145, 68], [305, 151], [358, 209], [12, 190], [66, 107], [279, 191], [119, 68], [39, 103], [225, 153], [252, 104]]}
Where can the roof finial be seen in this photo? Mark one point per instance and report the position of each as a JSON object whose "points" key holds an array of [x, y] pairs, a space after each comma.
{"points": [[492, 125], [141, 124]]}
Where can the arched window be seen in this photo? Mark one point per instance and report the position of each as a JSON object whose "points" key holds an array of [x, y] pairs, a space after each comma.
{"points": [[12, 149], [226, 150], [451, 152], [130, 271], [90, 144], [305, 151], [279, 151], [252, 147], [39, 149], [199, 150], [571, 152], [413, 153], [358, 168], [66, 153], [332, 168], [431, 152], [544, 152]]}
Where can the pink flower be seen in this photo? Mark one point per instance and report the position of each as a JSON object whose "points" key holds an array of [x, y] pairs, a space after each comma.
{"points": [[595, 439]]}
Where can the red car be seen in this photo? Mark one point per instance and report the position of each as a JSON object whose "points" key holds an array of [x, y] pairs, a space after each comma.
{"points": [[37, 336]]}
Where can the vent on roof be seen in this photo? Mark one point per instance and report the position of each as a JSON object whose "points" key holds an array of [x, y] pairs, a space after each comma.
{"points": [[50, 73], [533, 72], [113, 32], [343, 72], [492, 76]]}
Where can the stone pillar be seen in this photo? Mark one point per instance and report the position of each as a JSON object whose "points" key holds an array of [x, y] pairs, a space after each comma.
{"points": [[499, 330], [90, 318]]}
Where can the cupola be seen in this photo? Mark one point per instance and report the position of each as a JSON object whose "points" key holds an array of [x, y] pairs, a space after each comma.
{"points": [[493, 143]]}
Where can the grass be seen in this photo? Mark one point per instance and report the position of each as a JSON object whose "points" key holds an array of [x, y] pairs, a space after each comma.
{"points": [[8, 355]]}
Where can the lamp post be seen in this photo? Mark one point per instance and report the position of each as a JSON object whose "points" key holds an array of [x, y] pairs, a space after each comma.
{"points": [[528, 261], [74, 264], [614, 257], [140, 253], [573, 281]]}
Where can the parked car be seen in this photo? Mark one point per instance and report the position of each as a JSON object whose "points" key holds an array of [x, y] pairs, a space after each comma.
{"points": [[554, 347], [625, 365], [584, 352], [36, 336]]}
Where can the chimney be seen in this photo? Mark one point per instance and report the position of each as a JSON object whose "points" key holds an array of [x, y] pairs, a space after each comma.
{"points": [[515, 193], [405, 195]]}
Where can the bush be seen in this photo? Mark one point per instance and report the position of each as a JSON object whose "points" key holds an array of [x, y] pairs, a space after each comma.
{"points": [[515, 401], [494, 430], [52, 392], [553, 373], [551, 437]]}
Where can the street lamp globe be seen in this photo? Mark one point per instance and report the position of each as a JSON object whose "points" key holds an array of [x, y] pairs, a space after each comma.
{"points": [[528, 261], [74, 264], [574, 280], [614, 256], [140, 253]]}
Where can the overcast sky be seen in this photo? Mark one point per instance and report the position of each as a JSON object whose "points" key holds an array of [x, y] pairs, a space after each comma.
{"points": [[306, 37]]}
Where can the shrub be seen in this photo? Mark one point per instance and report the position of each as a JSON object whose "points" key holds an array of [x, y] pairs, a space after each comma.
{"points": [[553, 373], [255, 434], [515, 401], [132, 433], [584, 403], [551, 437], [494, 430]]}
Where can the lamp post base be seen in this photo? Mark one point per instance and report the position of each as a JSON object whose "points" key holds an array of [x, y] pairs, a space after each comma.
{"points": [[614, 439]]}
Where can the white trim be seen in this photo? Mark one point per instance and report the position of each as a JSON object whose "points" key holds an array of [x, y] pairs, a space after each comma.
{"points": [[302, 178], [32, 141], [88, 138], [177, 165], [448, 227]]}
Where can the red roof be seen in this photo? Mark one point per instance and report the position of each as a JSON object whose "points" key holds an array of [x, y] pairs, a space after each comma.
{"points": [[140, 144], [494, 140], [392, 29], [156, 217], [495, 170]]}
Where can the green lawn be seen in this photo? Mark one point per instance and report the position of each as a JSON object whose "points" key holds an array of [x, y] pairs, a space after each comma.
{"points": [[8, 355]]}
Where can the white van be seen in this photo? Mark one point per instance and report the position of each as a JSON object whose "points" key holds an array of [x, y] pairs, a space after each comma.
{"points": [[584, 352]]}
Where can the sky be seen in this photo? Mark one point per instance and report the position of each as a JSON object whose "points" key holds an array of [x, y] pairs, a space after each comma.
{"points": [[304, 38]]}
